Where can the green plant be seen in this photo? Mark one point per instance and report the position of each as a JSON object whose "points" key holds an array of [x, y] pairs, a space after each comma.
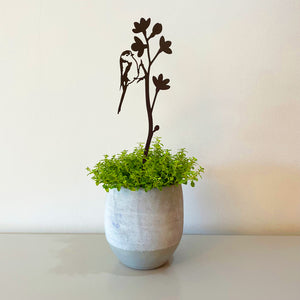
{"points": [[162, 168]]}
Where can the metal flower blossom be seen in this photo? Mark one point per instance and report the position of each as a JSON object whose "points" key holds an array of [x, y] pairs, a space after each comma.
{"points": [[157, 29], [141, 26], [161, 83], [132, 67], [138, 46], [165, 45]]}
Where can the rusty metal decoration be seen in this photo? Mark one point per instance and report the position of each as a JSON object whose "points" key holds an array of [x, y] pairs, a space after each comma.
{"points": [[132, 67]]}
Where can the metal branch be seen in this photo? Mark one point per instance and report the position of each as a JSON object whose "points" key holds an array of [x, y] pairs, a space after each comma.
{"points": [[154, 58], [156, 92]]}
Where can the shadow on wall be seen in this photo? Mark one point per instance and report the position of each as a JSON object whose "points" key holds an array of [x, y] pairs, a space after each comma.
{"points": [[246, 199]]}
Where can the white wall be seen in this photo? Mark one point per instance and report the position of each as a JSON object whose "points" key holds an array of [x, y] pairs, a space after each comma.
{"points": [[234, 103]]}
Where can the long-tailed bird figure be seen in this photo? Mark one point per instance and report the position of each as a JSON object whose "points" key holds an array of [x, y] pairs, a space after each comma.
{"points": [[129, 72]]}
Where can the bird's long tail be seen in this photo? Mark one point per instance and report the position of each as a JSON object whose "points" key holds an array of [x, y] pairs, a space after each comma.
{"points": [[122, 98]]}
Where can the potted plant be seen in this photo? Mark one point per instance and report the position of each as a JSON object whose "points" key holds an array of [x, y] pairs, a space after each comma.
{"points": [[144, 205]]}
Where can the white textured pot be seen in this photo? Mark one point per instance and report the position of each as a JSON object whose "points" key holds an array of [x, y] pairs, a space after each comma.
{"points": [[142, 228]]}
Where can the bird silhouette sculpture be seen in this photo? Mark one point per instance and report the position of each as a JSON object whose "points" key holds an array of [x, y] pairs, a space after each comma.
{"points": [[129, 70]]}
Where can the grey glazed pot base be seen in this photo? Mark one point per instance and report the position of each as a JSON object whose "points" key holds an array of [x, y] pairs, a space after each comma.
{"points": [[144, 260]]}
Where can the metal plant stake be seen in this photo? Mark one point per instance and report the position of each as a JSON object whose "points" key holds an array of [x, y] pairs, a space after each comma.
{"points": [[131, 68]]}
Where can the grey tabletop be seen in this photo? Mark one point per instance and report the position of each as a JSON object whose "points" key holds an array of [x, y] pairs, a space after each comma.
{"points": [[82, 266]]}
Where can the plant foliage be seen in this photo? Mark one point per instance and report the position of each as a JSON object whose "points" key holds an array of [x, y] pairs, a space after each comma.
{"points": [[162, 168]]}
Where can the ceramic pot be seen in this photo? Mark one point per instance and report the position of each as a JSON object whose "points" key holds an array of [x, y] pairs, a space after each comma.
{"points": [[142, 228]]}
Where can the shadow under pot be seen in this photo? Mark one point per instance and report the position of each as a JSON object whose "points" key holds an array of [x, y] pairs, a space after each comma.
{"points": [[142, 228]]}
